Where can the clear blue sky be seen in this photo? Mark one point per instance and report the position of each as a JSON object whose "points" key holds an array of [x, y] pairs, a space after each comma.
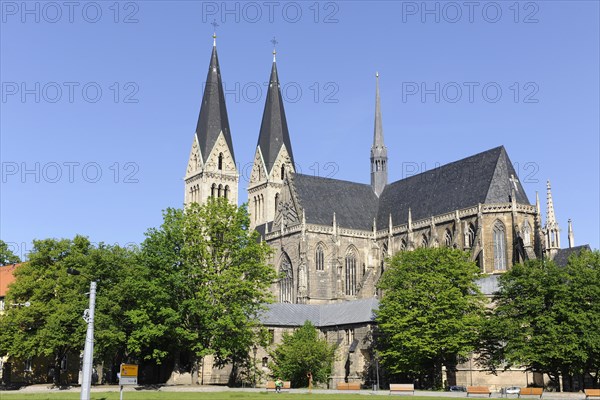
{"points": [[149, 59]]}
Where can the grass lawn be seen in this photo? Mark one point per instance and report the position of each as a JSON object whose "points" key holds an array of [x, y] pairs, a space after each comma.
{"points": [[149, 395]]}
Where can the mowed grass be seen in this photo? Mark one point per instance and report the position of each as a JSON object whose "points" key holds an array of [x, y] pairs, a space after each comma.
{"points": [[149, 395]]}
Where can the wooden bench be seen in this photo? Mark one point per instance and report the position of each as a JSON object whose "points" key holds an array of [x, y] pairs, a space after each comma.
{"points": [[271, 385], [479, 390], [348, 386], [402, 387], [591, 393], [531, 391]]}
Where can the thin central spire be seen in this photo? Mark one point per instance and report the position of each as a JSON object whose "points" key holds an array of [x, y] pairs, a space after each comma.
{"points": [[378, 150], [214, 24]]}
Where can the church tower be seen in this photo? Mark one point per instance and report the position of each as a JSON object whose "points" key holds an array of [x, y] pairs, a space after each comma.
{"points": [[211, 169], [551, 229], [273, 156], [378, 150]]}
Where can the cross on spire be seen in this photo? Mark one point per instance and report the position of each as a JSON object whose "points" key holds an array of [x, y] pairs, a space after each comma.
{"points": [[514, 181], [275, 42], [215, 25]]}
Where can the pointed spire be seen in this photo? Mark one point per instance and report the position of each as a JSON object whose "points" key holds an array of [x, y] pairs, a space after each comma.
{"points": [[214, 24], [390, 225], [374, 228], [213, 119], [538, 209], [550, 217], [552, 230], [571, 237], [334, 225], [409, 220], [274, 132], [378, 150]]}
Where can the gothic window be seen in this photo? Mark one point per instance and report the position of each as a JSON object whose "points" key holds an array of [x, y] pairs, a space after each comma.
{"points": [[226, 192], [286, 281], [351, 273], [320, 258], [527, 234], [499, 239], [220, 162], [265, 362], [255, 208], [424, 241], [448, 238], [213, 189], [471, 235], [282, 171], [219, 190], [276, 201]]}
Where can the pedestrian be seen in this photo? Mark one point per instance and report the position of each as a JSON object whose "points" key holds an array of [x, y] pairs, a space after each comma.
{"points": [[278, 385]]}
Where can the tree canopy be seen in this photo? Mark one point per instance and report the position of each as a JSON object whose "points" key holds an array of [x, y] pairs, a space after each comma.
{"points": [[7, 256], [546, 319], [430, 313], [303, 353]]}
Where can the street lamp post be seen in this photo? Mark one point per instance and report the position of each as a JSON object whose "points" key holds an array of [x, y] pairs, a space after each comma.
{"points": [[88, 351]]}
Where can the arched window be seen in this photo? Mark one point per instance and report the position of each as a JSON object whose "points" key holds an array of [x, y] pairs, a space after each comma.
{"points": [[255, 209], [499, 238], [424, 241], [448, 238], [320, 258], [226, 193], [282, 171], [527, 234], [471, 235], [220, 163], [351, 273], [286, 281], [276, 201], [219, 190], [212, 189]]}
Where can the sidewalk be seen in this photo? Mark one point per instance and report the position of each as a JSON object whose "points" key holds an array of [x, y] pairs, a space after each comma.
{"points": [[46, 388]]}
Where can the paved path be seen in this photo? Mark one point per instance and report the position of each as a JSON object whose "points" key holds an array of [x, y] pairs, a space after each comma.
{"points": [[45, 388]]}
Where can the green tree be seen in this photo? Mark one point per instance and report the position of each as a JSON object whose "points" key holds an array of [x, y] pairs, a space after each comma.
{"points": [[214, 268], [303, 353], [546, 319], [6, 255], [430, 314], [52, 326]]}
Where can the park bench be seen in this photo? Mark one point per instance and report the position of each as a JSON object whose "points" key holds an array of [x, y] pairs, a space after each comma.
{"points": [[479, 390], [591, 393], [531, 391], [402, 388], [348, 386], [271, 385]]}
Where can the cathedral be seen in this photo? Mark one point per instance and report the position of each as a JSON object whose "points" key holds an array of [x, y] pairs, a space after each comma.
{"points": [[330, 237]]}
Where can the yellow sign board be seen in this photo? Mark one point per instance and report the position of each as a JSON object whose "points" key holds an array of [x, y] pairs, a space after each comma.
{"points": [[129, 370]]}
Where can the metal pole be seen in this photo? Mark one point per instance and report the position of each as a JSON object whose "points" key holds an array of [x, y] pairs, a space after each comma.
{"points": [[88, 352]]}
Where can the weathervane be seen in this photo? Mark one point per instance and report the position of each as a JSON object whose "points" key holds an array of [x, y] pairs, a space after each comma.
{"points": [[274, 41]]}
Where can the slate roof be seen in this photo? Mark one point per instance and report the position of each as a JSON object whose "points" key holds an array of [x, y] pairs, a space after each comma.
{"points": [[320, 315], [563, 255], [482, 178], [354, 204], [213, 112], [273, 128]]}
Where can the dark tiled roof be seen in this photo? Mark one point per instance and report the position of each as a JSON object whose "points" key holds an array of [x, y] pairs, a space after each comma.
{"points": [[264, 228], [213, 113], [481, 178], [320, 315], [273, 129], [562, 257], [354, 204]]}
